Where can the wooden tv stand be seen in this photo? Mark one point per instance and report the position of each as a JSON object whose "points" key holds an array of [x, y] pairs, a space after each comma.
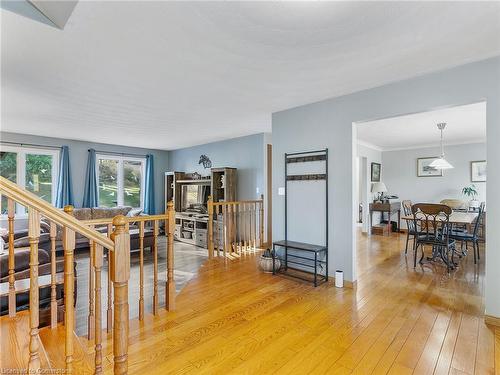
{"points": [[196, 225]]}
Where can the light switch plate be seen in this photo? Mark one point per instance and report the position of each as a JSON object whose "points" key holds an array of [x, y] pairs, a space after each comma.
{"points": [[281, 191]]}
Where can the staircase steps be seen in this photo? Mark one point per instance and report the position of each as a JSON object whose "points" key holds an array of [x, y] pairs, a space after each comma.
{"points": [[53, 340], [14, 341]]}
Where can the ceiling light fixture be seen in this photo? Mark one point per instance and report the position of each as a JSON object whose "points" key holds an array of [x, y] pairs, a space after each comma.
{"points": [[441, 162]]}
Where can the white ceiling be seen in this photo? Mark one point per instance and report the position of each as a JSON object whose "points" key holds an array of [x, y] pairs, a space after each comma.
{"points": [[464, 124], [168, 75]]}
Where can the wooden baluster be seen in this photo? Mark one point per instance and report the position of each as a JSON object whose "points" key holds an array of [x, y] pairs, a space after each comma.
{"points": [[210, 228], [254, 226], [69, 289], [244, 226], [53, 285], [34, 236], [141, 270], [248, 227], [98, 255], [229, 228], [120, 273], [218, 229], [90, 318], [261, 222], [235, 228], [170, 285], [11, 209], [155, 267], [224, 229], [249, 207], [237, 233], [240, 226], [109, 311]]}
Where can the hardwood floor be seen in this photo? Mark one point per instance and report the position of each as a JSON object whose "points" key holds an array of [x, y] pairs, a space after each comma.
{"points": [[234, 319]]}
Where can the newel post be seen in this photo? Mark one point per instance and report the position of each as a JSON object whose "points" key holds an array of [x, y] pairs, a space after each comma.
{"points": [[120, 273], [170, 286], [210, 208]]}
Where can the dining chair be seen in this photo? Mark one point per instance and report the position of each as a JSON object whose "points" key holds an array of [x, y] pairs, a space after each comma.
{"points": [[473, 237], [410, 225], [432, 222]]}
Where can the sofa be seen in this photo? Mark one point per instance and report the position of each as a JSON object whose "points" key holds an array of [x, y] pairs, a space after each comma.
{"points": [[82, 242], [21, 238], [22, 271]]}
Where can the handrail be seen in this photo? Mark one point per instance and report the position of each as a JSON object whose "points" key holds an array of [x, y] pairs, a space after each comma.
{"points": [[29, 199], [128, 219], [236, 202]]}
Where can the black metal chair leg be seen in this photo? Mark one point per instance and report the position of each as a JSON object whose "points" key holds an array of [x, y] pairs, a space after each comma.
{"points": [[415, 256], [477, 245], [423, 254], [474, 249], [407, 240]]}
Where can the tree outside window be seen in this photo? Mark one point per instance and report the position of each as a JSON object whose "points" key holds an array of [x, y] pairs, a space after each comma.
{"points": [[120, 181]]}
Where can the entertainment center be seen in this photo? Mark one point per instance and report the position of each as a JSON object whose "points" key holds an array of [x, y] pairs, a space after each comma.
{"points": [[190, 192]]}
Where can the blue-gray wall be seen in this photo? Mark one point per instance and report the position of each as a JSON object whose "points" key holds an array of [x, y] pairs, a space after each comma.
{"points": [[78, 152], [244, 153], [330, 124]]}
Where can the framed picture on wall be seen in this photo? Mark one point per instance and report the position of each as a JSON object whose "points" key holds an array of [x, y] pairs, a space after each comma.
{"points": [[425, 170], [376, 171], [478, 171]]}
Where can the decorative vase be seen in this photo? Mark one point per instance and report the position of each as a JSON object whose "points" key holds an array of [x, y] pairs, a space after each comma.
{"points": [[266, 264], [474, 203]]}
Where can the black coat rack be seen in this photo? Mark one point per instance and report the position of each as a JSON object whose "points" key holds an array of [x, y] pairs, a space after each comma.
{"points": [[313, 253]]}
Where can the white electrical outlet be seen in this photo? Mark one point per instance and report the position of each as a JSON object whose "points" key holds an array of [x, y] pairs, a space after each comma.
{"points": [[257, 191], [281, 191]]}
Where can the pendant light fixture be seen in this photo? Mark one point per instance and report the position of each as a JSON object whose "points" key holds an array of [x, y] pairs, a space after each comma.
{"points": [[441, 162]]}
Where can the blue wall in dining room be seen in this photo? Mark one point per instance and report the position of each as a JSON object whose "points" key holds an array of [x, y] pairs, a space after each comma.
{"points": [[78, 153]]}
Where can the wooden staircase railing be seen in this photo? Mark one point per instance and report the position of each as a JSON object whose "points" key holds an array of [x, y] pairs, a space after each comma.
{"points": [[169, 219], [235, 227], [117, 243]]}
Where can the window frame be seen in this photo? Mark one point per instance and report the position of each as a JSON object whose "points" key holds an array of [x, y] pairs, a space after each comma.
{"points": [[21, 152], [119, 176]]}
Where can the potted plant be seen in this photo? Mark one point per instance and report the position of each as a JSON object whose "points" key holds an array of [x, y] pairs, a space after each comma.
{"points": [[266, 261], [471, 192]]}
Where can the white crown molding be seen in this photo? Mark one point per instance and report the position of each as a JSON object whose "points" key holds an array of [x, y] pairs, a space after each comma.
{"points": [[415, 147], [434, 145], [370, 145]]}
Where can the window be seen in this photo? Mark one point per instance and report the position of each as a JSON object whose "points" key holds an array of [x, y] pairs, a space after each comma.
{"points": [[35, 169], [120, 180]]}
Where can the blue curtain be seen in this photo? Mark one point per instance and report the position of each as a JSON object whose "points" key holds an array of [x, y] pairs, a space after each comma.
{"points": [[90, 197], [64, 188], [149, 189]]}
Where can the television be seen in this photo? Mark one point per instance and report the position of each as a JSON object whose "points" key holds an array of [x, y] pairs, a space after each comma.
{"points": [[194, 198]]}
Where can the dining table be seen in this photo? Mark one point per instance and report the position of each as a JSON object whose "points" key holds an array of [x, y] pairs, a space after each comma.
{"points": [[455, 218]]}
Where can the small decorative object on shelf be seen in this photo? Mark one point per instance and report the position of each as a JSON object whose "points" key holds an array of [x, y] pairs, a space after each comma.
{"points": [[266, 261], [207, 163]]}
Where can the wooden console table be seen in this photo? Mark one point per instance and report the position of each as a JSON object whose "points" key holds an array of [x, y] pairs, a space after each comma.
{"points": [[389, 208]]}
